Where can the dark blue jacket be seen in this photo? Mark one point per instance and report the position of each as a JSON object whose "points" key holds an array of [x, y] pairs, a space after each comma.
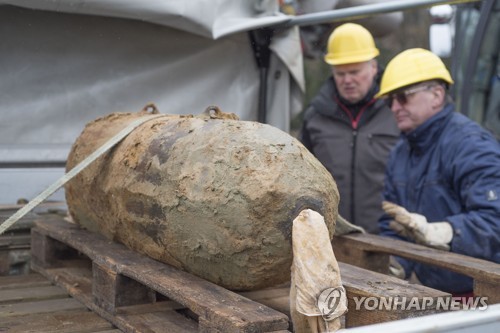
{"points": [[448, 169]]}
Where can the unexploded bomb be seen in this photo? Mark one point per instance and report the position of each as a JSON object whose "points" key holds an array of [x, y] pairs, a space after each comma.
{"points": [[210, 194]]}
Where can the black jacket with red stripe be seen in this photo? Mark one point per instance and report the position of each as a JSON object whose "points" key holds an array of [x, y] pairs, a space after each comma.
{"points": [[353, 142]]}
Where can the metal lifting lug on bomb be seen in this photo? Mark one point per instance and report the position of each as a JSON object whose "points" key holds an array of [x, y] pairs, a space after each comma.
{"points": [[209, 194]]}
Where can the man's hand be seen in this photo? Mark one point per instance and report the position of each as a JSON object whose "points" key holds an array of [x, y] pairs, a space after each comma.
{"points": [[415, 227]]}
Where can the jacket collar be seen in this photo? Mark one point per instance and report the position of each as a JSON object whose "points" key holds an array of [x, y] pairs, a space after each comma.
{"points": [[325, 103], [426, 134]]}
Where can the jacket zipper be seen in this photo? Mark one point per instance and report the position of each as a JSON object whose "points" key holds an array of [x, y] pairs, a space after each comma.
{"points": [[353, 168], [354, 125]]}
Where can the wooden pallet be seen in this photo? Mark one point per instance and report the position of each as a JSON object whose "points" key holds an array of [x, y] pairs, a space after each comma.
{"points": [[31, 303], [138, 294], [135, 292], [15, 243]]}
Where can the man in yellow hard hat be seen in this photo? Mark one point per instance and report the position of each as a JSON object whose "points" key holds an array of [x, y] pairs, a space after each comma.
{"points": [[442, 186], [347, 129]]}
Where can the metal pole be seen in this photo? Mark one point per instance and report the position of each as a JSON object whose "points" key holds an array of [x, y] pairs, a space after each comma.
{"points": [[260, 40], [364, 11], [473, 57]]}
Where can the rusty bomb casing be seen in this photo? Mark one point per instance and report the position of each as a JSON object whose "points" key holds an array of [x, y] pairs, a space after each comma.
{"points": [[212, 196]]}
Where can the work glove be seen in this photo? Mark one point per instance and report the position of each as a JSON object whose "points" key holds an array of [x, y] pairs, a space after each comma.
{"points": [[415, 227]]}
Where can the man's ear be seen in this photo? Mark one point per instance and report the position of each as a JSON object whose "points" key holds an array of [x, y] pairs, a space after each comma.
{"points": [[439, 96]]}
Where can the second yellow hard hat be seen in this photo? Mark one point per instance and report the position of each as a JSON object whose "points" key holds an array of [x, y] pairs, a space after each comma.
{"points": [[410, 67]]}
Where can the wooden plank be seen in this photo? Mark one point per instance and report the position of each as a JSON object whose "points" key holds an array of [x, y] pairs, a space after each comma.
{"points": [[30, 303], [345, 251], [370, 283], [15, 252], [281, 304], [31, 294], [27, 221], [223, 309], [486, 289], [65, 322], [164, 306], [138, 318], [275, 298], [476, 268], [46, 306], [22, 225], [15, 261], [17, 241], [77, 281], [23, 281], [42, 206], [268, 293], [112, 290], [359, 283], [4, 263], [165, 321]]}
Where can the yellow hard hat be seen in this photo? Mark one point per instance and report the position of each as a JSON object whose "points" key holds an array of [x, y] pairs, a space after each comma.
{"points": [[350, 43], [410, 67]]}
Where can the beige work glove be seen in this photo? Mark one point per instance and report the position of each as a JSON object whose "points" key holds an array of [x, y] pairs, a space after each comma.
{"points": [[415, 227], [317, 297]]}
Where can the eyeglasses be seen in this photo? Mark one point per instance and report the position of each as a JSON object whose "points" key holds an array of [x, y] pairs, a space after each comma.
{"points": [[402, 95]]}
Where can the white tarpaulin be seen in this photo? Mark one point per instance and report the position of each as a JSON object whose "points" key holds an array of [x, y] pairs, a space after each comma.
{"points": [[208, 18], [64, 63]]}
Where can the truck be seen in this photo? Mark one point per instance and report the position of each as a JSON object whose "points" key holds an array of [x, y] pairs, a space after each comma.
{"points": [[60, 75]]}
